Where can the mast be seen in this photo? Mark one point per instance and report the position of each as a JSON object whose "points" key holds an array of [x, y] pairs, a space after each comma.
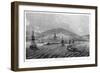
{"points": [[33, 45], [62, 42], [55, 36]]}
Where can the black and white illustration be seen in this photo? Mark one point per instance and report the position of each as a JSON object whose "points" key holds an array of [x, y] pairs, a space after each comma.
{"points": [[56, 35]]}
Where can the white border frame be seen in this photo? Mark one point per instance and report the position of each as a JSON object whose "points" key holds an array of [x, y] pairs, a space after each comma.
{"points": [[59, 61]]}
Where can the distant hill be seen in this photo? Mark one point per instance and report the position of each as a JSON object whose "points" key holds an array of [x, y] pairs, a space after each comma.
{"points": [[60, 32], [86, 37]]}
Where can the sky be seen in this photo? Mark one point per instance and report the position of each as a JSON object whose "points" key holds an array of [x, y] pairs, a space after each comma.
{"points": [[42, 21]]}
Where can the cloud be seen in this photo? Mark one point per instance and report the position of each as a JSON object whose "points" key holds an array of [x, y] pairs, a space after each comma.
{"points": [[77, 23]]}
